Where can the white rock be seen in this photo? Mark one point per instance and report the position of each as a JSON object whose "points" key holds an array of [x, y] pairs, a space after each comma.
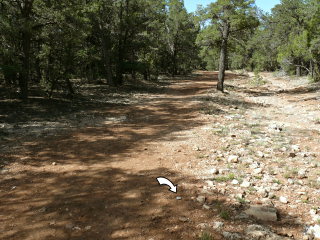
{"points": [[296, 148], [233, 159], [218, 225], [260, 154], [302, 173], [257, 171], [201, 199], [214, 171], [205, 206], [314, 231], [210, 183], [283, 200], [235, 182], [245, 184]]}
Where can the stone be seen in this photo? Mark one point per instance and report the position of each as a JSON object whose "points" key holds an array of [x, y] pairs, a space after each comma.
{"points": [[233, 159], [206, 207], [260, 154], [179, 198], [262, 192], [245, 184], [201, 199], [210, 183], [54, 164], [302, 173], [283, 200], [314, 231], [235, 182], [214, 171], [87, 228], [183, 219], [257, 171], [257, 232], [218, 225], [296, 148], [263, 213], [231, 236]]}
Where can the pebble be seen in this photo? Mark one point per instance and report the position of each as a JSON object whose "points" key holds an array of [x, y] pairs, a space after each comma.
{"points": [[205, 206], [235, 182], [183, 219], [245, 184], [214, 171], [233, 159], [257, 171], [283, 200], [179, 198], [218, 225], [201, 199]]}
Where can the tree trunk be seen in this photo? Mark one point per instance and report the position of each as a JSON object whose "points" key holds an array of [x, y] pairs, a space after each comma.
{"points": [[223, 56], [106, 59], [298, 71], [26, 46]]}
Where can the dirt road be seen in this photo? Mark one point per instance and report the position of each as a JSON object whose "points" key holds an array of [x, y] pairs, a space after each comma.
{"points": [[100, 182]]}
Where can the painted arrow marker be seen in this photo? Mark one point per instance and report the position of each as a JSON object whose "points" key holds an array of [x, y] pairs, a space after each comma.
{"points": [[165, 181]]}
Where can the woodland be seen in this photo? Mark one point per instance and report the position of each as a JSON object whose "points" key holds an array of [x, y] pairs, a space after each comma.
{"points": [[48, 44]]}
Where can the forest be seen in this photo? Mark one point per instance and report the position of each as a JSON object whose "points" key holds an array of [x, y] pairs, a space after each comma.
{"points": [[50, 43]]}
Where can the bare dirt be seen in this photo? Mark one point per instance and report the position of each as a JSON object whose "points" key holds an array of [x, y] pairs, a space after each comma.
{"points": [[95, 178]]}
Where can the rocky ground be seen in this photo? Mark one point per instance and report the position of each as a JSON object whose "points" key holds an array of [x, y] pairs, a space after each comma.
{"points": [[246, 163]]}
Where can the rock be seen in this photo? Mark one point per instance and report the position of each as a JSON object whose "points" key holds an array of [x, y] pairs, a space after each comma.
{"points": [[206, 207], [235, 182], [210, 183], [54, 164], [290, 181], [262, 192], [295, 148], [87, 228], [201, 199], [263, 213], [218, 225], [223, 171], [179, 198], [283, 200], [245, 184], [183, 219], [233, 159], [314, 231], [257, 171], [258, 232], [231, 236], [214, 171], [260, 154], [302, 174], [242, 216]]}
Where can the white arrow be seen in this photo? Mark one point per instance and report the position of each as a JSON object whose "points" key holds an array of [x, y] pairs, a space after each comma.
{"points": [[165, 181]]}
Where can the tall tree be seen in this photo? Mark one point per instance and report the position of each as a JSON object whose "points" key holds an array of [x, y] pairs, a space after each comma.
{"points": [[230, 18]]}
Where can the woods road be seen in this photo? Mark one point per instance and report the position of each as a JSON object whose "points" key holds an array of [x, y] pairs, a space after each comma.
{"points": [[100, 182]]}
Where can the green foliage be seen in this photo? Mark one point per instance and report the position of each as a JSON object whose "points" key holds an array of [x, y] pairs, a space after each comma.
{"points": [[205, 236]]}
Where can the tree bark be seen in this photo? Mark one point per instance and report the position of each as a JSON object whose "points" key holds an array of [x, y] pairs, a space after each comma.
{"points": [[26, 46], [106, 43], [223, 55]]}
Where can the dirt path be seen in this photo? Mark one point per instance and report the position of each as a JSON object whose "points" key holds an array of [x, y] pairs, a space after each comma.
{"points": [[100, 182]]}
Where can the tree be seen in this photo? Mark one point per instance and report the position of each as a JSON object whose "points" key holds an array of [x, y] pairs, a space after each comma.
{"points": [[230, 19]]}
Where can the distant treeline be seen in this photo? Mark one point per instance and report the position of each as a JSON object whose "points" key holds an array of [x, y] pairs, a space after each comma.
{"points": [[48, 43]]}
